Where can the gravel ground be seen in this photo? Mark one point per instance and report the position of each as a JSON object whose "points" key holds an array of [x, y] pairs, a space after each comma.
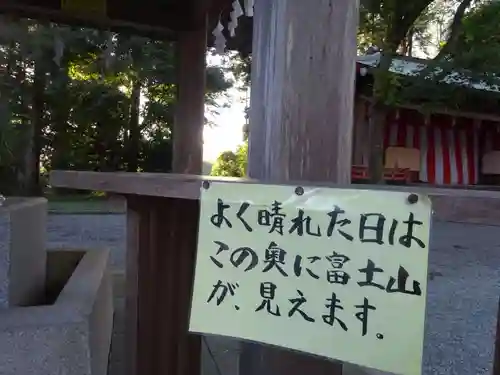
{"points": [[462, 299], [90, 231]]}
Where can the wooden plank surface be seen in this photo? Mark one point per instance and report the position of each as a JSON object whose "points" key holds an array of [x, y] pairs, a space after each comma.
{"points": [[161, 258], [132, 290], [186, 186]]}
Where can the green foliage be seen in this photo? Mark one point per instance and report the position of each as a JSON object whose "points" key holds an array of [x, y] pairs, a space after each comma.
{"points": [[478, 48], [242, 66], [392, 26], [470, 56], [85, 99], [232, 164], [387, 23]]}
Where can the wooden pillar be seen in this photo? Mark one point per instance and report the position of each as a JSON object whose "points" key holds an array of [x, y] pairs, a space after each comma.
{"points": [[160, 272], [132, 291], [377, 124], [303, 89], [190, 107], [301, 117], [478, 129], [360, 133], [496, 355]]}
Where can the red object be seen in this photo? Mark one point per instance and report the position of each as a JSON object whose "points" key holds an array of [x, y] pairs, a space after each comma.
{"points": [[360, 172], [449, 152]]}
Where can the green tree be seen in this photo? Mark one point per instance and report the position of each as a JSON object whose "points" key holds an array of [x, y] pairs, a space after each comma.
{"points": [[395, 27], [232, 164], [392, 25], [478, 41], [469, 55], [76, 98]]}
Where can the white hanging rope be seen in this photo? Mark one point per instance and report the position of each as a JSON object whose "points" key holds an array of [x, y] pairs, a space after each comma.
{"points": [[236, 13], [249, 8], [220, 41]]}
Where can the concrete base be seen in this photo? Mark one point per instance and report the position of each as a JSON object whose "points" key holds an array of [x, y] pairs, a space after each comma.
{"points": [[71, 336], [22, 251]]}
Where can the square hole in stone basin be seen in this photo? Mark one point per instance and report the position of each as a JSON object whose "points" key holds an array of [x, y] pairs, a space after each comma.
{"points": [[60, 266]]}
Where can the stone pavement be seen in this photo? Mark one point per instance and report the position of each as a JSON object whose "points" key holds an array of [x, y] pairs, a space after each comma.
{"points": [[462, 295]]}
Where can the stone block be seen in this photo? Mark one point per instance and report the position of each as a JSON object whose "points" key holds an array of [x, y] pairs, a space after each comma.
{"points": [[22, 251], [70, 336]]}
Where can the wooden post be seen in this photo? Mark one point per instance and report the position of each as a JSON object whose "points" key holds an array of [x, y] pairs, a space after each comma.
{"points": [[303, 89], [301, 117], [496, 358], [360, 133], [190, 111], [162, 239], [376, 126], [478, 127]]}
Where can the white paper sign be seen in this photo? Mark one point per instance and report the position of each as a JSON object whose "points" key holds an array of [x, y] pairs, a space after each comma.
{"points": [[332, 272]]}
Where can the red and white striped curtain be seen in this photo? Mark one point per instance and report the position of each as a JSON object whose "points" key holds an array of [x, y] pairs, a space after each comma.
{"points": [[449, 150]]}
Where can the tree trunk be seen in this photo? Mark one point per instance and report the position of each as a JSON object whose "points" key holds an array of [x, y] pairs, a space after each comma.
{"points": [[100, 147], [407, 43], [21, 172], [377, 123], [455, 31], [134, 130], [60, 117], [378, 114], [10, 174], [11, 62], [411, 35], [404, 47], [31, 132], [35, 146]]}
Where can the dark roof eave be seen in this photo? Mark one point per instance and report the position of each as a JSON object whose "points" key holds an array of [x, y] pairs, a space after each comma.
{"points": [[183, 16]]}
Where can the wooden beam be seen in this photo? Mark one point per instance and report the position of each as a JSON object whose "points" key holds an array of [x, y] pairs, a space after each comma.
{"points": [[98, 22], [188, 186], [190, 107], [421, 109], [301, 118], [149, 18]]}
